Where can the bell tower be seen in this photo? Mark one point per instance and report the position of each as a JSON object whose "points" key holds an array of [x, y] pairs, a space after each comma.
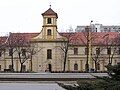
{"points": [[49, 30]]}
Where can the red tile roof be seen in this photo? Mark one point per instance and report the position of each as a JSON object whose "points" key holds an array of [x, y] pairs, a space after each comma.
{"points": [[50, 12], [3, 40], [77, 38], [20, 38], [97, 38]]}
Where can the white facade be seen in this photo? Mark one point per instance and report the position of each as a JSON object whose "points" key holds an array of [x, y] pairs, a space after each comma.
{"points": [[100, 28]]}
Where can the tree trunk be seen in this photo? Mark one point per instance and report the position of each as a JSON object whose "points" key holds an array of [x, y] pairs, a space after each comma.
{"points": [[20, 62], [12, 69], [21, 68], [87, 65], [109, 63], [31, 63], [65, 59], [96, 66]]}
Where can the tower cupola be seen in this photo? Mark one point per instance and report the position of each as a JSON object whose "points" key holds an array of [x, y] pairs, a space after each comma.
{"points": [[49, 24], [49, 12]]}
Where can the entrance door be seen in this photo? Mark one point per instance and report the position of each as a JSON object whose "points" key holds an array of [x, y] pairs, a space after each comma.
{"points": [[49, 67]]}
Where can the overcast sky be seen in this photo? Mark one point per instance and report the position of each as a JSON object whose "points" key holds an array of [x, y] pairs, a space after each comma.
{"points": [[25, 15]]}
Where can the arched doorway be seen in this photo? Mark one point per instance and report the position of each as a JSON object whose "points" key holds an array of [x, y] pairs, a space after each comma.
{"points": [[75, 66], [49, 67]]}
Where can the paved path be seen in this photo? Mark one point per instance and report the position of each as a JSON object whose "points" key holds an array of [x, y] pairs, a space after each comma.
{"points": [[51, 75], [30, 86]]}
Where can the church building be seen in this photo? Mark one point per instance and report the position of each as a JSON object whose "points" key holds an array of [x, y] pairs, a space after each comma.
{"points": [[53, 51]]}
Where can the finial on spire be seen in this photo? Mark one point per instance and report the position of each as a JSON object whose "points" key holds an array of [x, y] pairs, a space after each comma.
{"points": [[50, 4]]}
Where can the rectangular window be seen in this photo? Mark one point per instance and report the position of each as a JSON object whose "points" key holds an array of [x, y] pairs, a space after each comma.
{"points": [[0, 53], [97, 51], [75, 51], [49, 54], [23, 52], [109, 51], [10, 52], [118, 50], [0, 68], [86, 51]]}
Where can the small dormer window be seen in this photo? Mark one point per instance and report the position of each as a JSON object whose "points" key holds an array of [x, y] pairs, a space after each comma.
{"points": [[49, 32], [49, 21]]}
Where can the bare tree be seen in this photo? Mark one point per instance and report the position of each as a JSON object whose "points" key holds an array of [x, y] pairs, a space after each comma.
{"points": [[18, 44], [88, 38], [109, 42], [96, 55], [64, 47], [94, 47], [30, 52], [10, 44], [2, 45], [27, 53], [112, 45], [99, 42], [3, 40], [23, 48]]}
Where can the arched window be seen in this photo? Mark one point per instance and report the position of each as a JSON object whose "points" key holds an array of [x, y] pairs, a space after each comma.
{"points": [[49, 21], [98, 66], [10, 67], [75, 66], [49, 32], [49, 54]]}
